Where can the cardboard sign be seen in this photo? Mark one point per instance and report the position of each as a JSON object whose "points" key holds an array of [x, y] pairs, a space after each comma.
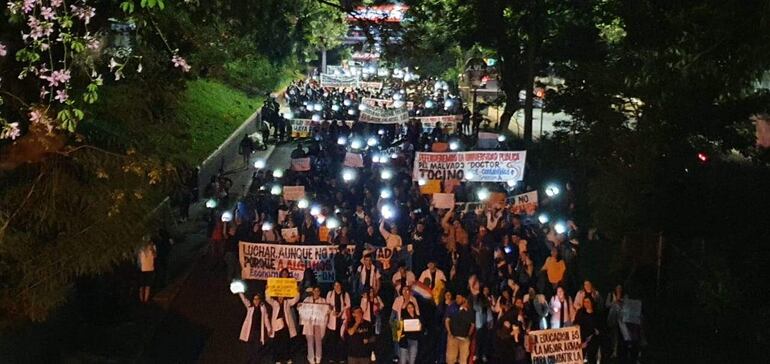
{"points": [[431, 187], [300, 164], [354, 160], [488, 166], [293, 193], [323, 233], [282, 287], [443, 200], [557, 346], [314, 314], [290, 235], [263, 261], [525, 203], [412, 325]]}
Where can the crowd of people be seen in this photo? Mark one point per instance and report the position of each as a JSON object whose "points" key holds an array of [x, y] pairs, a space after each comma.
{"points": [[463, 285]]}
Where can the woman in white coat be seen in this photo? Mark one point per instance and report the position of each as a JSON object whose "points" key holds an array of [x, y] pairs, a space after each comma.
{"points": [[339, 302], [314, 333], [562, 309], [256, 328], [284, 326]]}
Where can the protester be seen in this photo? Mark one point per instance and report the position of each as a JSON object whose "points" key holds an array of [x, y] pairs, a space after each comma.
{"points": [[588, 321], [408, 343], [562, 310], [339, 300], [360, 337], [460, 326], [284, 326], [256, 329], [314, 333], [146, 260]]}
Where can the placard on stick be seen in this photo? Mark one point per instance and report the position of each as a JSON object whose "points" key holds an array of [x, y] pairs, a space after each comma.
{"points": [[282, 287]]}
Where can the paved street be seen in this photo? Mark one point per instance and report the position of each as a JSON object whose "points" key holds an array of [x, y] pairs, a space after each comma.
{"points": [[204, 319]]}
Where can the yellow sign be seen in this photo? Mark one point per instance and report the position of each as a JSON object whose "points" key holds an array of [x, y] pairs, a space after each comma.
{"points": [[282, 287], [431, 186]]}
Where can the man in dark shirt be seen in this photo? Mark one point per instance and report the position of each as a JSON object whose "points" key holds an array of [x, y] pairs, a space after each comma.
{"points": [[460, 325], [360, 339]]}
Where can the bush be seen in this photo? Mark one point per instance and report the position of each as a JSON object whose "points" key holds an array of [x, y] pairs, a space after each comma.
{"points": [[256, 75]]}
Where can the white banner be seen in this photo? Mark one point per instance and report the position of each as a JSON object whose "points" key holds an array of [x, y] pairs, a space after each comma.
{"points": [[557, 346], [314, 314], [343, 81], [448, 122], [371, 102], [263, 261], [376, 115], [490, 166]]}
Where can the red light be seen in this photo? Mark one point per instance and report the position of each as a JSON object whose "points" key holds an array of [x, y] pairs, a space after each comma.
{"points": [[703, 157]]}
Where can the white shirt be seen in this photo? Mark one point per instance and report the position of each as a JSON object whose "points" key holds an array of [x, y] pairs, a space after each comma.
{"points": [[439, 277]]}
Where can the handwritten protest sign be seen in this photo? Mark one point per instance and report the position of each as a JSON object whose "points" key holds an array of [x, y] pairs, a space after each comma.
{"points": [[443, 200], [430, 187], [282, 287], [300, 164], [293, 193], [314, 314], [557, 346], [489, 166], [525, 203], [354, 160], [263, 261]]}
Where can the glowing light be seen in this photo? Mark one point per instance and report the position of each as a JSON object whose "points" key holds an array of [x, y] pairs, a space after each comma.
{"points": [[394, 155], [501, 138], [278, 173], [318, 107], [454, 145], [309, 107], [388, 212], [320, 219], [559, 227], [429, 104], [422, 182], [469, 176], [348, 175], [211, 203], [543, 218], [398, 104], [511, 183], [447, 104], [361, 107], [237, 286], [227, 216], [332, 223], [259, 164], [351, 112], [335, 107], [288, 115], [483, 194], [303, 203], [552, 190], [342, 140], [381, 132], [267, 226], [386, 174], [385, 193], [315, 210], [316, 118], [275, 190], [346, 102], [372, 141], [356, 144], [376, 158]]}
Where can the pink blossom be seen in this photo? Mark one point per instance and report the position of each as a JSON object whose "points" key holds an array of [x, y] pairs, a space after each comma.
{"points": [[62, 96], [56, 3], [10, 131], [3, 50], [28, 6], [37, 29], [180, 63], [84, 13], [47, 13], [35, 116]]}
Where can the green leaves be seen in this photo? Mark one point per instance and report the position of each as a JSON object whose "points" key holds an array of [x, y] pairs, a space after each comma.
{"points": [[25, 55], [127, 7], [69, 118], [90, 95], [150, 4]]}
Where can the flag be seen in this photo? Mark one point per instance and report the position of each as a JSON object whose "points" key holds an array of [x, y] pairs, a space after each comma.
{"points": [[438, 291], [422, 290]]}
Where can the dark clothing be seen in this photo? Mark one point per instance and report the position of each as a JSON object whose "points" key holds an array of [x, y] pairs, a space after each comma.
{"points": [[356, 346], [460, 322], [588, 325]]}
